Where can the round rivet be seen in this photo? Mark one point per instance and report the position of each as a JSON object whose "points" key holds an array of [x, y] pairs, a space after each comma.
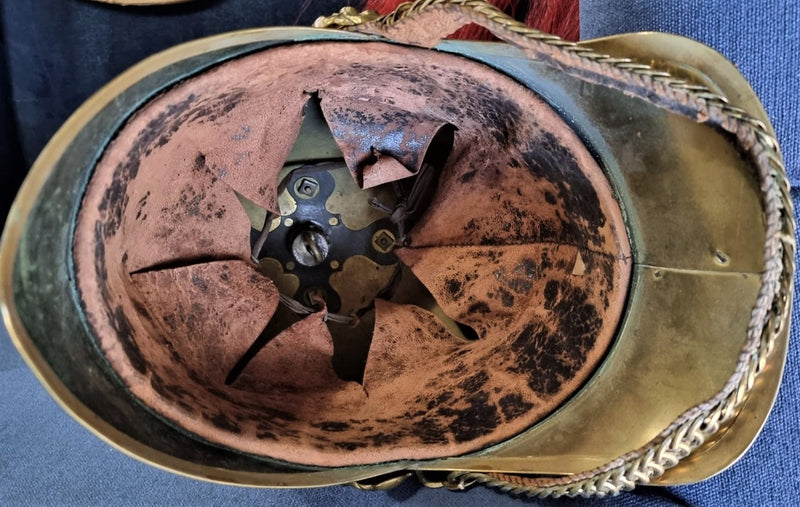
{"points": [[334, 264], [333, 221], [288, 222], [289, 266]]}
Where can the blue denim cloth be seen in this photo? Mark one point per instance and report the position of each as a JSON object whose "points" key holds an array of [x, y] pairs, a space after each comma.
{"points": [[46, 458]]}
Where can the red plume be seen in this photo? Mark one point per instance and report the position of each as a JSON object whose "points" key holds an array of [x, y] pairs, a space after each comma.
{"points": [[559, 17]]}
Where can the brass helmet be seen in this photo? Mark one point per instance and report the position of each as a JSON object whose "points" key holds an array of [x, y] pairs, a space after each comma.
{"points": [[297, 257]]}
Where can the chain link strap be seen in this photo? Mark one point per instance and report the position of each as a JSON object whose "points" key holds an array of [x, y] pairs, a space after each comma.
{"points": [[699, 423]]}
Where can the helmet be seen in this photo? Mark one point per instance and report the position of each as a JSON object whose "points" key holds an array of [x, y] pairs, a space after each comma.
{"points": [[303, 257]]}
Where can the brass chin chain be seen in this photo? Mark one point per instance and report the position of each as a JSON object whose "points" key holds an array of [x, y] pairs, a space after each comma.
{"points": [[699, 423]]}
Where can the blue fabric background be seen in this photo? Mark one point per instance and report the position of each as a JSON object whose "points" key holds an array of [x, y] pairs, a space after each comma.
{"points": [[46, 458]]}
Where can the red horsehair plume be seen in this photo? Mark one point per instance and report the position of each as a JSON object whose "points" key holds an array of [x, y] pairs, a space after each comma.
{"points": [[559, 17]]}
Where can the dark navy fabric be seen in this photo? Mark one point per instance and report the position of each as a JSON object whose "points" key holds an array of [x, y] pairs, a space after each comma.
{"points": [[55, 53]]}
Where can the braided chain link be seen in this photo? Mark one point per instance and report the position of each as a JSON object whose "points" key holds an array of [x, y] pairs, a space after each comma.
{"points": [[690, 430]]}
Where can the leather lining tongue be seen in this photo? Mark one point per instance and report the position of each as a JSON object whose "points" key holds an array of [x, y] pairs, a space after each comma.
{"points": [[380, 143], [406, 336], [299, 358], [219, 306], [251, 164]]}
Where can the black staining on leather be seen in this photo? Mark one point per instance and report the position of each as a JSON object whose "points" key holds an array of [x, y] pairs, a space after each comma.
{"points": [[351, 445], [122, 327], [506, 298], [552, 356], [478, 418], [156, 134], [579, 322], [461, 414], [547, 158], [141, 215], [429, 430], [187, 318], [172, 392], [440, 399], [521, 278], [116, 316], [497, 114], [199, 163], [517, 226], [381, 438], [100, 268], [550, 294], [468, 176], [475, 382], [200, 283], [529, 353], [194, 203], [453, 288], [223, 422], [211, 109], [266, 435], [479, 307], [332, 426], [514, 405]]}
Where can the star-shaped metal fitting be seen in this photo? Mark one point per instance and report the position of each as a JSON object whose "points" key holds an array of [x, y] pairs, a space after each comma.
{"points": [[332, 248]]}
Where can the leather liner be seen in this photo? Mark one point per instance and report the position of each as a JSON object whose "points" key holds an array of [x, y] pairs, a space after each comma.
{"points": [[524, 242]]}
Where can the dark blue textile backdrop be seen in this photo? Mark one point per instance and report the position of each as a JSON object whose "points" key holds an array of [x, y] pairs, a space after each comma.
{"points": [[55, 53]]}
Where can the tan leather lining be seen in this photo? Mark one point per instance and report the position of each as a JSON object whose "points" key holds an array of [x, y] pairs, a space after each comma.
{"points": [[523, 241]]}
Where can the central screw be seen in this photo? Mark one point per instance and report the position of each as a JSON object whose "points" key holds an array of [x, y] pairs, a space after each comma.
{"points": [[310, 247]]}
